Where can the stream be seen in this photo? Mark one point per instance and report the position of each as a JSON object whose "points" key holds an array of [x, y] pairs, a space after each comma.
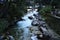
{"points": [[26, 24]]}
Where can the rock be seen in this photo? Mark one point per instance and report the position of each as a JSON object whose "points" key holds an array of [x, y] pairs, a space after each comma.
{"points": [[41, 22], [37, 32], [11, 37], [30, 17], [35, 23], [34, 37], [36, 15], [39, 36], [34, 28]]}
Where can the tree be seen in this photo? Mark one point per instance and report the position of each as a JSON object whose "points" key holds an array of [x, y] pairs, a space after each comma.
{"points": [[53, 22], [11, 11]]}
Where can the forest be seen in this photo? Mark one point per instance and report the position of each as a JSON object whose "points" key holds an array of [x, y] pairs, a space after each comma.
{"points": [[12, 11]]}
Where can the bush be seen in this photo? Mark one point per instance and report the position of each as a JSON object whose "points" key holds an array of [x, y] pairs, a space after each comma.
{"points": [[46, 9], [3, 25]]}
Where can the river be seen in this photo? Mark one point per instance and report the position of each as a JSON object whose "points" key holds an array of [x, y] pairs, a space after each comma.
{"points": [[26, 24]]}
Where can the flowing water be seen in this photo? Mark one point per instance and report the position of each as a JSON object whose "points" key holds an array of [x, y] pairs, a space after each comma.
{"points": [[26, 23]]}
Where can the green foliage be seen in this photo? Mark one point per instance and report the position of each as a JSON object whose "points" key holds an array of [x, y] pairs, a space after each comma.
{"points": [[3, 25], [17, 33], [17, 9], [46, 9], [51, 21], [55, 2], [13, 9]]}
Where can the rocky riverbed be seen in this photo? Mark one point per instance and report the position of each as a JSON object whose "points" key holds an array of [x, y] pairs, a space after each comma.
{"points": [[35, 28]]}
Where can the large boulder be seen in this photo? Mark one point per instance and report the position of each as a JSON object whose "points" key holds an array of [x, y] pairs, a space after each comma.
{"points": [[35, 23]]}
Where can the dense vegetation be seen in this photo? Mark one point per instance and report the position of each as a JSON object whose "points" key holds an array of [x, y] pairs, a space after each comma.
{"points": [[50, 6], [11, 12]]}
